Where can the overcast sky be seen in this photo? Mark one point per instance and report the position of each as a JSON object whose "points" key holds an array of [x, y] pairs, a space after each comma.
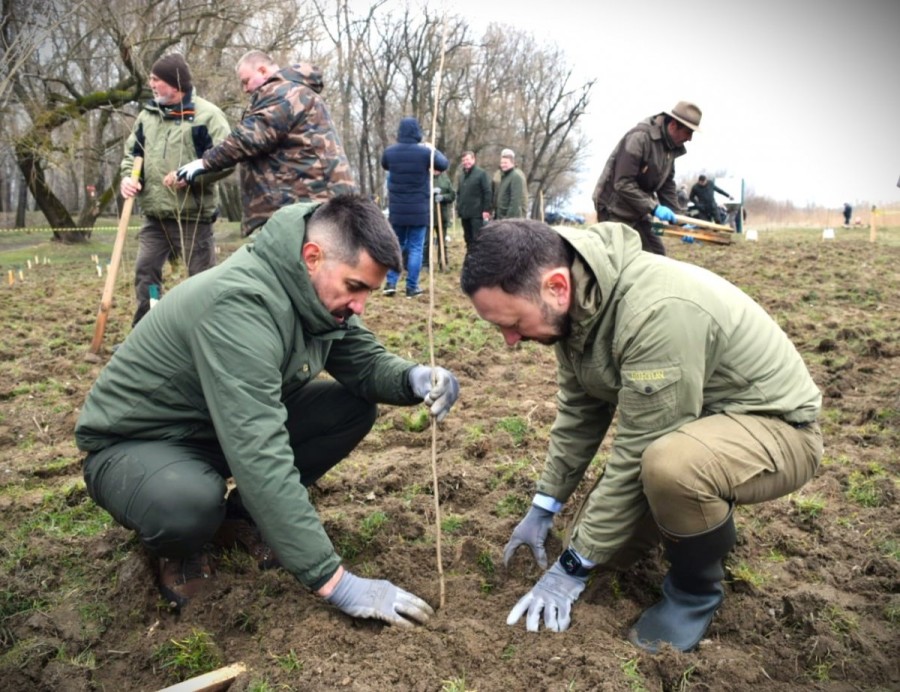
{"points": [[800, 98]]}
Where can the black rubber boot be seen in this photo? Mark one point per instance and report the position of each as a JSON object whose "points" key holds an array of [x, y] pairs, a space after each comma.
{"points": [[691, 592]]}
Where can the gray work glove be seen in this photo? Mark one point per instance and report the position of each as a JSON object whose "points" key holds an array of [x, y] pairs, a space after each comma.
{"points": [[553, 596], [379, 599], [531, 531], [441, 395]]}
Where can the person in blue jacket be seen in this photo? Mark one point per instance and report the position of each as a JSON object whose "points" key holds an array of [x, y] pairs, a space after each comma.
{"points": [[409, 164]]}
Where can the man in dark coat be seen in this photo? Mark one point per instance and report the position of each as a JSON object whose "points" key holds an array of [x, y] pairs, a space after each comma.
{"points": [[639, 177], [473, 197], [703, 195], [409, 165]]}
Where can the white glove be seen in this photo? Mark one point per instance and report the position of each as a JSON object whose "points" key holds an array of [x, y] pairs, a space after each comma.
{"points": [[191, 170], [553, 596], [441, 395], [379, 599]]}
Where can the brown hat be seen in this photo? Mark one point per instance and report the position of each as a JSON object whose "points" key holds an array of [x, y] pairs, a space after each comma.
{"points": [[688, 114], [173, 70]]}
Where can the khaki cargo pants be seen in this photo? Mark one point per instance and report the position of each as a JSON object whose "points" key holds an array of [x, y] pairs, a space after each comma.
{"points": [[692, 476]]}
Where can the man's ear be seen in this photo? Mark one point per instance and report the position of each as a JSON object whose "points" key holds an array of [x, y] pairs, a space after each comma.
{"points": [[557, 285], [312, 255]]}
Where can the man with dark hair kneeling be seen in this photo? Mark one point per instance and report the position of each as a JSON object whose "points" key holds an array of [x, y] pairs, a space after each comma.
{"points": [[220, 380], [715, 408]]}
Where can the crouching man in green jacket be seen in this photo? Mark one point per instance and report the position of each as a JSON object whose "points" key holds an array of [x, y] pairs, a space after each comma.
{"points": [[220, 380], [715, 408]]}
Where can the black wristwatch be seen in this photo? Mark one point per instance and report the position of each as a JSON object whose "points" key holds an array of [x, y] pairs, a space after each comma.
{"points": [[571, 563]]}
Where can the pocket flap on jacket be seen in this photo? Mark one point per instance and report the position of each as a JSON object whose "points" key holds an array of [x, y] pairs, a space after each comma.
{"points": [[649, 390]]}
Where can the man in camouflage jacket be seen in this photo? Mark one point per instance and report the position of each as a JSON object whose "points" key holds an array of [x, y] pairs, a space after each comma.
{"points": [[286, 142]]}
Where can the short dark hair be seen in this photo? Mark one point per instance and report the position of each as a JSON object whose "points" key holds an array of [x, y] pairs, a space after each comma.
{"points": [[701, 178], [349, 224], [511, 254]]}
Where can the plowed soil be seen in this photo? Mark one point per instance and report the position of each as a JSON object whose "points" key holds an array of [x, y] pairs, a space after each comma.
{"points": [[812, 596]]}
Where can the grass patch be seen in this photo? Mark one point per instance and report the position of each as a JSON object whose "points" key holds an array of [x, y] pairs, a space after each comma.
{"points": [[184, 658], [516, 427], [452, 523], [809, 507], [511, 505], [864, 487]]}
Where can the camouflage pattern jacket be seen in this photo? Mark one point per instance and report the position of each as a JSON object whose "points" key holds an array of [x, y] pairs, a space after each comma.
{"points": [[287, 145]]}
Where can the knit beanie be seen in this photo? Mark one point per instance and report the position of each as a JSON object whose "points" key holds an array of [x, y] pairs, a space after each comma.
{"points": [[173, 70]]}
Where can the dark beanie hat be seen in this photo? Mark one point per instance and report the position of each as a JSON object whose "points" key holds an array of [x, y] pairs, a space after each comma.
{"points": [[173, 70]]}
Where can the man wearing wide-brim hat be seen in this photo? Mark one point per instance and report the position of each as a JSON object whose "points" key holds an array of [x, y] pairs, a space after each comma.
{"points": [[638, 180]]}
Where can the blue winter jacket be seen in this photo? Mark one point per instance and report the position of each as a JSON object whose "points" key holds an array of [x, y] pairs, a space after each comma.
{"points": [[408, 164]]}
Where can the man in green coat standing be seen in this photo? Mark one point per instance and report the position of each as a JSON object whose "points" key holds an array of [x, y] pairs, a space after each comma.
{"points": [[220, 381], [715, 408], [171, 129], [511, 198]]}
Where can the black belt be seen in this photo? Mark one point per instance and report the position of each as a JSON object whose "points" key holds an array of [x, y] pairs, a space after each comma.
{"points": [[793, 424]]}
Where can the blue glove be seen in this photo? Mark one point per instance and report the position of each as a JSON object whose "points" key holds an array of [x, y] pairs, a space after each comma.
{"points": [[379, 599], [440, 395], [191, 170], [663, 213], [553, 596], [531, 531]]}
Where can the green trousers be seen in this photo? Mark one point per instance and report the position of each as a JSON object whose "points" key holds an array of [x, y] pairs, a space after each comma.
{"points": [[692, 476], [139, 481]]}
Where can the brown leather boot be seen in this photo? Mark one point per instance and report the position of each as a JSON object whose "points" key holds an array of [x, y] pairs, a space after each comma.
{"points": [[181, 579], [241, 533]]}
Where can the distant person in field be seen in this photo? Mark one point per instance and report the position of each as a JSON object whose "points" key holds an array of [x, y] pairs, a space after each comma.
{"points": [[441, 219], [474, 197], [638, 180], [510, 189], [409, 166], [848, 214], [683, 198], [221, 380], [703, 195], [174, 126], [288, 146], [715, 408]]}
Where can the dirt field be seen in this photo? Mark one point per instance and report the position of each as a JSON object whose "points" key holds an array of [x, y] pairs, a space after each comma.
{"points": [[813, 594]]}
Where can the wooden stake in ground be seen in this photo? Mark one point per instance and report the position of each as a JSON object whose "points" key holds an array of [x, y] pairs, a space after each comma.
{"points": [[215, 681], [109, 287]]}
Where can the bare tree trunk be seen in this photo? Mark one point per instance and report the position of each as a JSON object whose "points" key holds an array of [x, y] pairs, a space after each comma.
{"points": [[21, 206]]}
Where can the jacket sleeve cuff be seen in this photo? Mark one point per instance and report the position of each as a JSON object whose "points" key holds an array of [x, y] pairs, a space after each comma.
{"points": [[551, 504]]}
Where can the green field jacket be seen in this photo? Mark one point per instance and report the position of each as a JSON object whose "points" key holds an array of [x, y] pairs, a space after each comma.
{"points": [[512, 195], [662, 343], [169, 137], [212, 361]]}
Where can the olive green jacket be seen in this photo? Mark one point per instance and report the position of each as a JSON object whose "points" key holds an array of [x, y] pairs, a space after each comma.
{"points": [[662, 342], [169, 137], [511, 199], [214, 360]]}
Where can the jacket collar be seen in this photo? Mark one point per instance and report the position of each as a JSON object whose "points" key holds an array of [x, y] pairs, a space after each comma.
{"points": [[177, 111], [602, 251]]}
